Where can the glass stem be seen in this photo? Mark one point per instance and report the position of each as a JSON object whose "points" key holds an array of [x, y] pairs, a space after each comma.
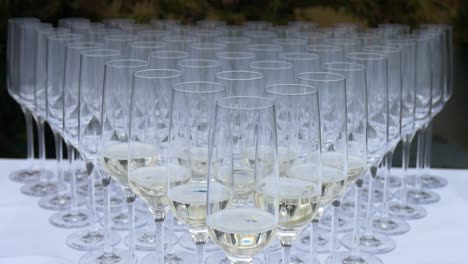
{"points": [[387, 174], [71, 169], [420, 158], [406, 148], [131, 225], [91, 191], [286, 254], [313, 237], [29, 136], [59, 158], [355, 250], [172, 239], [370, 201], [106, 183], [159, 241], [201, 253], [42, 150], [334, 230], [427, 149]]}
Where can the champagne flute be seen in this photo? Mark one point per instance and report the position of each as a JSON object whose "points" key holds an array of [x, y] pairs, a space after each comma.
{"points": [[242, 195], [192, 114]]}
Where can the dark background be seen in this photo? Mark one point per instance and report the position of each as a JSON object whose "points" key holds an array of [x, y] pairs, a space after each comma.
{"points": [[450, 134]]}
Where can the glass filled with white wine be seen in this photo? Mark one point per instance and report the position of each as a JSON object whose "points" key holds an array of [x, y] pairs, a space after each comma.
{"points": [[191, 117], [242, 223], [298, 128], [149, 129], [115, 134]]}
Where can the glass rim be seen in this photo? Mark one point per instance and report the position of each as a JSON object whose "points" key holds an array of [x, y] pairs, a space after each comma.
{"points": [[156, 54], [359, 67], [286, 65], [141, 74], [343, 41], [338, 76], [259, 33], [148, 44], [200, 46], [138, 63], [100, 52], [223, 55], [271, 104], [235, 40], [312, 56], [85, 45], [385, 49], [323, 47], [221, 87], [270, 47], [64, 36], [120, 37], [211, 63], [255, 76], [291, 41], [371, 56], [312, 89], [179, 38]]}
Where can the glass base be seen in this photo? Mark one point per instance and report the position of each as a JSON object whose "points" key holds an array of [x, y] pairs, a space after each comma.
{"points": [[28, 175], [145, 240], [58, 202], [377, 195], [421, 196], [373, 244], [347, 208], [119, 221], [390, 226], [116, 202], [68, 219], [80, 174], [406, 211], [186, 242], [393, 181], [117, 257], [40, 189], [303, 242], [277, 259], [91, 239], [83, 188], [345, 257], [429, 181], [180, 257], [344, 224]]}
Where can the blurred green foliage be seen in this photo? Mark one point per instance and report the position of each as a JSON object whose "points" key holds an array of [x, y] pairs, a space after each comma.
{"points": [[324, 12]]}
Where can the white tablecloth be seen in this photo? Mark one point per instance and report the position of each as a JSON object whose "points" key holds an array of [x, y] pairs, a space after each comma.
{"points": [[441, 237]]}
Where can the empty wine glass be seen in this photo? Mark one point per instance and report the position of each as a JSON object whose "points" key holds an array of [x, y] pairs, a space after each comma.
{"points": [[199, 70], [274, 72], [241, 83], [265, 51], [167, 59]]}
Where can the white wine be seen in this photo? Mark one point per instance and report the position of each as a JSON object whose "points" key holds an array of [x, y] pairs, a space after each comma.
{"points": [[188, 201], [298, 200], [241, 181], [286, 158], [356, 166], [115, 159], [241, 232], [150, 184], [197, 160]]}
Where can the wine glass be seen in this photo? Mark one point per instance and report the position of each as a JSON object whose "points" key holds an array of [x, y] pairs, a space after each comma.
{"points": [[235, 61], [265, 52], [152, 35], [192, 114], [242, 193], [260, 36], [274, 72], [167, 59], [141, 50], [291, 44], [241, 83], [326, 52], [199, 70], [301, 61], [300, 182], [206, 50], [234, 43]]}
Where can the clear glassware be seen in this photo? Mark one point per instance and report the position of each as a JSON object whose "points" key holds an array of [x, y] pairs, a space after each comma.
{"points": [[120, 42], [234, 43], [235, 61], [241, 83], [192, 115], [149, 130], [347, 44], [302, 62], [260, 36], [180, 42], [206, 50], [205, 35], [291, 44], [92, 65], [239, 189], [13, 76], [69, 21], [199, 70], [265, 52], [152, 35], [167, 59], [298, 132], [141, 50], [274, 72], [327, 53]]}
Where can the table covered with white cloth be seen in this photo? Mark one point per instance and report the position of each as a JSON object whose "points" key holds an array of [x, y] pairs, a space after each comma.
{"points": [[440, 237]]}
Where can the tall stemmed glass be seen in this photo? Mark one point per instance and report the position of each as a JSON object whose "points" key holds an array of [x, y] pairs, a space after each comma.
{"points": [[14, 52], [300, 184], [333, 144], [115, 135], [149, 128], [141, 50], [241, 83], [327, 53], [274, 72], [235, 61], [265, 52], [91, 81], [242, 194], [422, 107], [400, 58], [192, 114], [199, 70], [167, 59], [302, 62]]}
